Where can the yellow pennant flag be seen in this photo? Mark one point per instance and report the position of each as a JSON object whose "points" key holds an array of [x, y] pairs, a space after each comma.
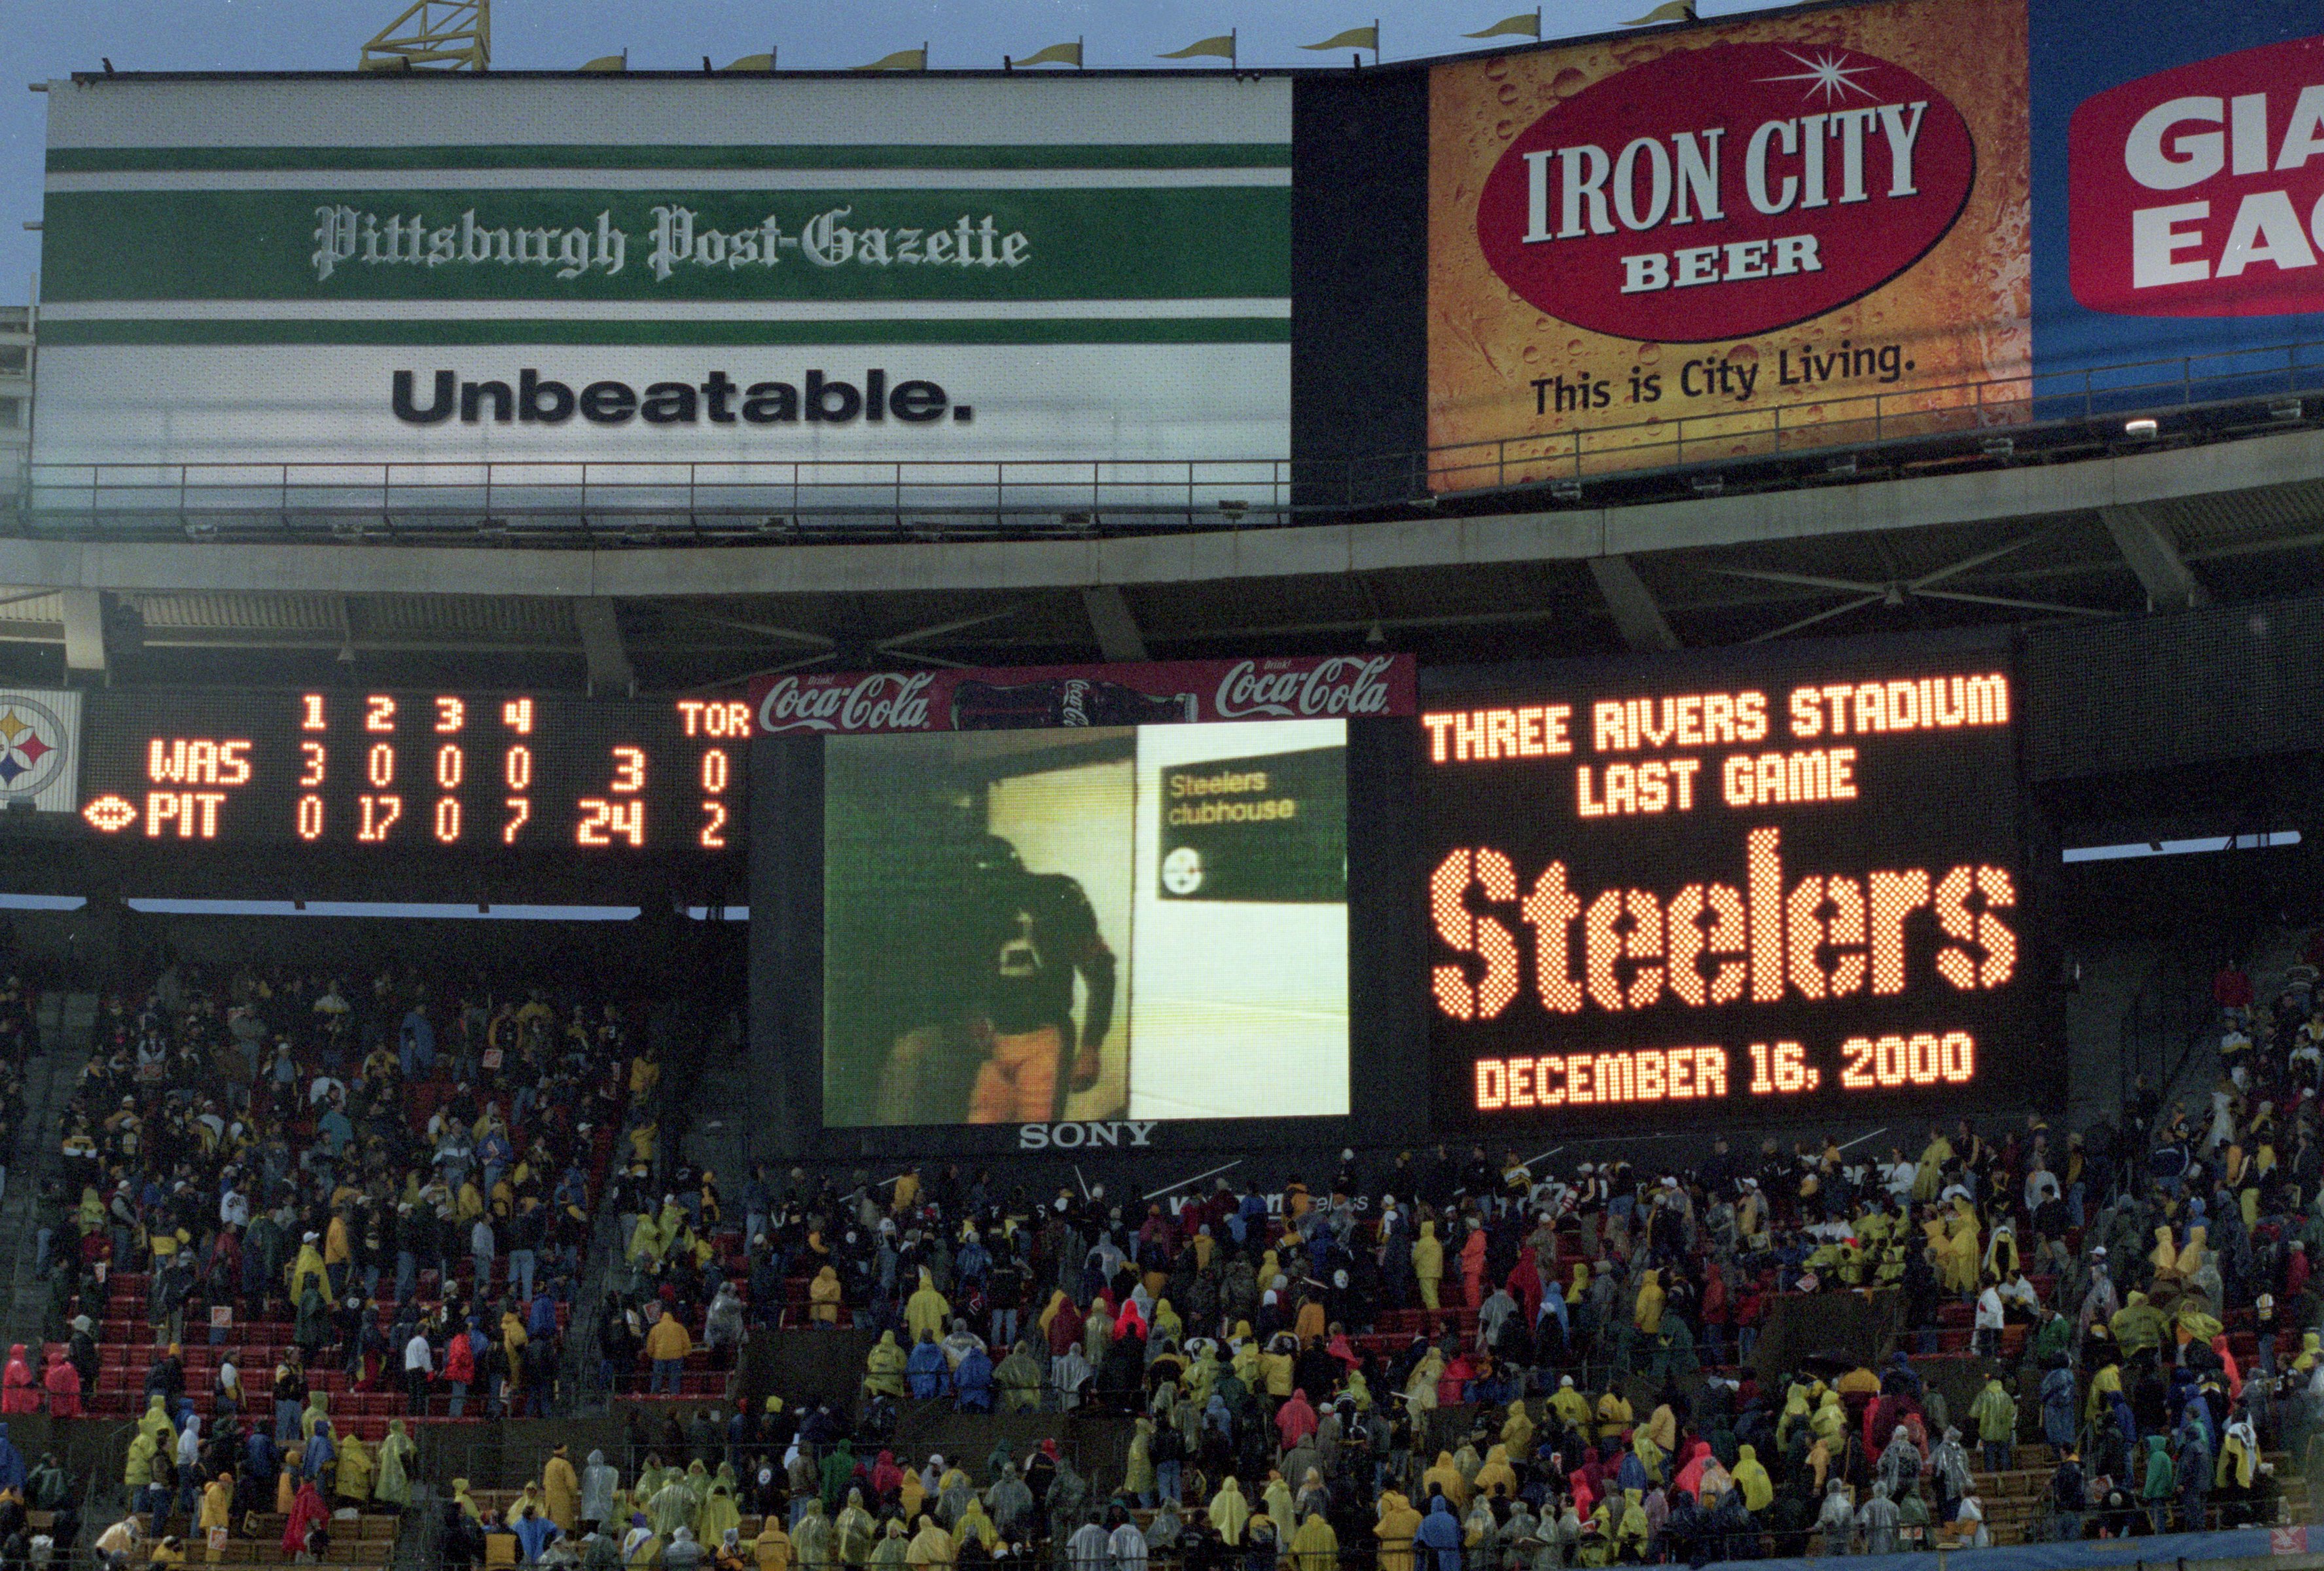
{"points": [[1668, 10], [1223, 46], [1354, 38], [1056, 54], [903, 60], [1526, 25], [608, 62]]}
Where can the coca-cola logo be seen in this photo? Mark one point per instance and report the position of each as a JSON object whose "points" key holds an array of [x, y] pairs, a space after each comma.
{"points": [[2199, 191], [882, 701], [1346, 685], [1725, 192]]}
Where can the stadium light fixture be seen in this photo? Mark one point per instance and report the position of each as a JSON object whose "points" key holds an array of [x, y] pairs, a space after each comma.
{"points": [[2142, 429]]}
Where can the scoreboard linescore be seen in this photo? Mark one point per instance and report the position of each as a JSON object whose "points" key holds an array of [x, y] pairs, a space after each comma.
{"points": [[505, 771], [1768, 894]]}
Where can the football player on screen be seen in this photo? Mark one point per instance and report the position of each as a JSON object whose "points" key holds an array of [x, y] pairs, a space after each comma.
{"points": [[1018, 940]]}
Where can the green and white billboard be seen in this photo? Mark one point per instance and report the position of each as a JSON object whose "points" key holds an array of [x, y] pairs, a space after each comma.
{"points": [[386, 269]]}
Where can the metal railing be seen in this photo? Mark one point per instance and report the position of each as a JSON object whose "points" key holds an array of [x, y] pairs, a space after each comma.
{"points": [[710, 499], [1992, 408], [770, 502]]}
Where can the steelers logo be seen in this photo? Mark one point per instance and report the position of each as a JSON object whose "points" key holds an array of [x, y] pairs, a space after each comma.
{"points": [[32, 748], [1182, 871]]}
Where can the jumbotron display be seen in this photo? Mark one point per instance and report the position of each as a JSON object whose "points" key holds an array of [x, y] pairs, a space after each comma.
{"points": [[357, 770], [1758, 887]]}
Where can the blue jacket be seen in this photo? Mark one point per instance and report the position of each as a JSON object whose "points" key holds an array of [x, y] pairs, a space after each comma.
{"points": [[12, 1463], [1440, 1532], [929, 1370], [973, 1381]]}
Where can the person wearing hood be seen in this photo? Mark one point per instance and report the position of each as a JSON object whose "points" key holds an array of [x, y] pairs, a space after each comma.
{"points": [[930, 1547], [392, 1480], [560, 1487], [823, 1297], [719, 1513], [1018, 1377], [1439, 1534], [2161, 1482], [670, 1507], [18, 1393], [599, 1485], [927, 1313], [1396, 1530], [1878, 1519], [771, 1550], [1949, 1466], [668, 1343], [352, 1483], [973, 1526], [217, 1511], [811, 1536], [972, 1381], [137, 1476], [883, 1368], [929, 1371], [1445, 1478], [307, 1512], [1316, 1546], [1230, 1513], [854, 1534], [680, 1554], [1166, 1530], [1010, 1502], [1428, 1264], [1758, 1490], [1837, 1520]]}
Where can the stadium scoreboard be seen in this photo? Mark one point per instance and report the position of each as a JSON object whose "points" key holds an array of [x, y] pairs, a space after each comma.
{"points": [[1759, 888], [411, 770]]}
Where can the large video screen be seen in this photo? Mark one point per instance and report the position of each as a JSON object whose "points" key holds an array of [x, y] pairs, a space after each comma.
{"points": [[1085, 923], [1765, 886]]}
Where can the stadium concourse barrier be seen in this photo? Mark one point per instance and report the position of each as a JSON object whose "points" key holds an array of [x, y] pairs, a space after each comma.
{"points": [[2235, 1550]]}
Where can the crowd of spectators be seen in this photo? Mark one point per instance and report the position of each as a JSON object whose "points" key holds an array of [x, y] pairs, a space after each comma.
{"points": [[392, 1182], [2134, 1300]]}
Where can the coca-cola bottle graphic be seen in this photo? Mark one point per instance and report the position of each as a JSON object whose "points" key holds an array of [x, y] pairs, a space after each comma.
{"points": [[979, 705]]}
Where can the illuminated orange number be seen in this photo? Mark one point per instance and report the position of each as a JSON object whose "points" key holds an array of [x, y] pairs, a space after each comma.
{"points": [[517, 716], [1889, 1064], [450, 766], [310, 706], [450, 715], [713, 833], [1924, 1060], [520, 814], [380, 713], [1760, 1082], [381, 764], [602, 820], [1790, 1067], [713, 770], [447, 819], [518, 768], [310, 817], [629, 769], [378, 816], [1857, 1075], [312, 775], [1957, 1056]]}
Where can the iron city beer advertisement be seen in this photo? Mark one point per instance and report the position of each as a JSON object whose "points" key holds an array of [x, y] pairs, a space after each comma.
{"points": [[1719, 889], [1797, 213]]}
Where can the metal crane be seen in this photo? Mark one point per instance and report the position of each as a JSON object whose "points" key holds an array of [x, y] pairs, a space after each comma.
{"points": [[442, 35]]}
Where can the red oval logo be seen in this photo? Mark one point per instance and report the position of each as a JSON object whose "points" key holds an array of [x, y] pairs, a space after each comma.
{"points": [[1726, 191]]}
